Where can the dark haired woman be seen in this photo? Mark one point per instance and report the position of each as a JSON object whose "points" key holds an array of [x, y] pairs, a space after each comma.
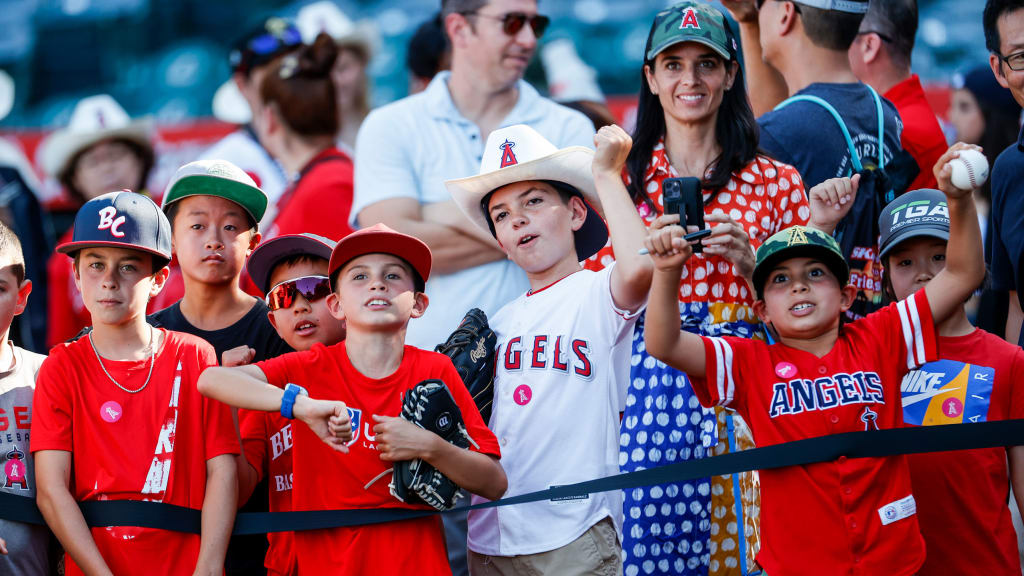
{"points": [[297, 123], [694, 119]]}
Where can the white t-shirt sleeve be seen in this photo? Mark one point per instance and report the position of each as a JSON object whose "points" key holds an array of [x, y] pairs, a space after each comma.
{"points": [[383, 165]]}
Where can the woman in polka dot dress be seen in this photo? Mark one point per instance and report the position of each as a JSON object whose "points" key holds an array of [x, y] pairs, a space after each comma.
{"points": [[694, 119]]}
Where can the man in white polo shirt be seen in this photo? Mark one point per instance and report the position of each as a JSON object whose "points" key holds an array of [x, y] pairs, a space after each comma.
{"points": [[406, 150]]}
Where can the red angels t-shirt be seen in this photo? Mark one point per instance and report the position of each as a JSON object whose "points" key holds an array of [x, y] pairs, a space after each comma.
{"points": [[320, 200], [267, 445], [152, 445], [853, 516], [325, 479], [962, 495]]}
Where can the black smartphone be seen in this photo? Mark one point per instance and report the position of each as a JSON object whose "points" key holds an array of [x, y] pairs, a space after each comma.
{"points": [[683, 196]]}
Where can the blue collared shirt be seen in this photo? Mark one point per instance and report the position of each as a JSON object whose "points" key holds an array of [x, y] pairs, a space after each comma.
{"points": [[1007, 212]]}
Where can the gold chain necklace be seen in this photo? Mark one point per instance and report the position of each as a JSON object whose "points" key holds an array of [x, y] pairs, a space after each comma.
{"points": [[152, 361]]}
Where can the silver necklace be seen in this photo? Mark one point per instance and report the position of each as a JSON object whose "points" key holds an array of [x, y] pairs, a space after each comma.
{"points": [[152, 361]]}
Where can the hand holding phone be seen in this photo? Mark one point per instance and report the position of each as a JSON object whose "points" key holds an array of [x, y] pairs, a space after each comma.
{"points": [[683, 196]]}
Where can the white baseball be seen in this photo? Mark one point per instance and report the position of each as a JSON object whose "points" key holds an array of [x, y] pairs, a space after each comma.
{"points": [[970, 170]]}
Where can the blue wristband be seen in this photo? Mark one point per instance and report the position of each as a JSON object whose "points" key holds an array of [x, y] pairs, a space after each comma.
{"points": [[291, 391]]}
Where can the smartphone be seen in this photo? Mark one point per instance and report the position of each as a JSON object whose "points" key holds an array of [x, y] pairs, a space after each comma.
{"points": [[683, 196]]}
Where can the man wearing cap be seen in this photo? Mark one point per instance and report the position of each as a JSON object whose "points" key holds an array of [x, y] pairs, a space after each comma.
{"points": [[213, 207], [406, 150], [1004, 38], [117, 415], [237, 98]]}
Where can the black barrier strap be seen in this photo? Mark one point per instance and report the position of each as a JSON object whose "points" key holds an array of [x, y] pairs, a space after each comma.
{"points": [[870, 444]]}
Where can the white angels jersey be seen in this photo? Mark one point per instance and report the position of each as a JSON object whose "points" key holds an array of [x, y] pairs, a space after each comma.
{"points": [[558, 393]]}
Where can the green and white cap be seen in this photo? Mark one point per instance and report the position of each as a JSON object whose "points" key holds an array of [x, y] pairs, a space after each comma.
{"points": [[799, 242], [217, 178], [691, 22]]}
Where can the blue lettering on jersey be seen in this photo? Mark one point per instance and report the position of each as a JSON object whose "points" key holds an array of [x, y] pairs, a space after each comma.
{"points": [[803, 395]]}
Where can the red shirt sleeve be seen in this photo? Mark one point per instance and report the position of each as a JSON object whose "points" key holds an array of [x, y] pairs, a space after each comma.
{"points": [[906, 328], [724, 358], [218, 424], [1016, 382], [52, 405], [253, 428], [487, 443]]}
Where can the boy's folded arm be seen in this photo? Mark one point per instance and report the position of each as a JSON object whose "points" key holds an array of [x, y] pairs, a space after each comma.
{"points": [[218, 514], [61, 511], [662, 337], [479, 473], [241, 386]]}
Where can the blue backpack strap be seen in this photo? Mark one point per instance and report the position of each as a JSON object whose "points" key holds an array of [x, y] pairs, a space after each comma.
{"points": [[857, 166], [881, 126]]}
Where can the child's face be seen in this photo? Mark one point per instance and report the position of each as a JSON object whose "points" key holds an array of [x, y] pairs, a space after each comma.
{"points": [[117, 283], [534, 225], [376, 292], [803, 299], [305, 323], [13, 295], [913, 263], [212, 239]]}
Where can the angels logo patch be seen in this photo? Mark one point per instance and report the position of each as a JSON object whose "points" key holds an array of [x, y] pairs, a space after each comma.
{"points": [[16, 470], [508, 158]]}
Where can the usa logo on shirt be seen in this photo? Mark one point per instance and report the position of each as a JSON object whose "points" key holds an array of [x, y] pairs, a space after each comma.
{"points": [[356, 416]]}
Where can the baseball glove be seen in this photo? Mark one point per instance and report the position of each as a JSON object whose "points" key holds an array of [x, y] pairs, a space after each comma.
{"points": [[430, 406], [471, 349]]}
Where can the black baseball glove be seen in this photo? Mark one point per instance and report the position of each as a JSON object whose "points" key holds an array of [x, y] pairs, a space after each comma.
{"points": [[471, 349], [430, 406]]}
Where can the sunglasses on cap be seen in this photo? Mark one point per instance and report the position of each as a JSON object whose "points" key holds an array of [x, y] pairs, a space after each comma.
{"points": [[312, 288], [513, 22]]}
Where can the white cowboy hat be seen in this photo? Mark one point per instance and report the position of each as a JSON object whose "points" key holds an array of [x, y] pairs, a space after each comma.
{"points": [[229, 105], [6, 94], [325, 16], [519, 153], [93, 120]]}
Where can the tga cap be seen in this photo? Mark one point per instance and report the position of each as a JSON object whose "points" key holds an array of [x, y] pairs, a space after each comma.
{"points": [[917, 213]]}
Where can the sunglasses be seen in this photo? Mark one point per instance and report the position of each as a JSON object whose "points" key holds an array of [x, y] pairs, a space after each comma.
{"points": [[312, 288], [513, 22], [273, 41]]}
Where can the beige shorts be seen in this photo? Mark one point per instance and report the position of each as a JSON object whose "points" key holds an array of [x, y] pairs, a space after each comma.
{"points": [[597, 552]]}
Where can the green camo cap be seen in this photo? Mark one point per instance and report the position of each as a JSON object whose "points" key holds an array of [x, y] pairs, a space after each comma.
{"points": [[797, 242], [691, 22]]}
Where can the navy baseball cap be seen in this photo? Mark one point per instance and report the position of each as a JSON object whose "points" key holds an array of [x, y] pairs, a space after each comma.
{"points": [[121, 220], [268, 254], [918, 213], [273, 37]]}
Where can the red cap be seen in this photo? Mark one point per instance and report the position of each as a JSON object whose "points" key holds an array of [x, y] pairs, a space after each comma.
{"points": [[379, 239]]}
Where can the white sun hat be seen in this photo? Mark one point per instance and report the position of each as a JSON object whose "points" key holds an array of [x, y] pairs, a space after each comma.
{"points": [[325, 16], [519, 153], [229, 105], [93, 120]]}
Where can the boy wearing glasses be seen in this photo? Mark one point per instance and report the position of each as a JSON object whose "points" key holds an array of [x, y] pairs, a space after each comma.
{"points": [[377, 278], [292, 271], [214, 209]]}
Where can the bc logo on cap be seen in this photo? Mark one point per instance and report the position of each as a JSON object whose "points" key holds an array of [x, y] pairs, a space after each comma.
{"points": [[689, 20], [108, 222], [508, 158]]}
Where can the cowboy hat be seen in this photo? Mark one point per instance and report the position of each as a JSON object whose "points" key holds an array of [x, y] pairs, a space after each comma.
{"points": [[325, 16], [519, 153]]}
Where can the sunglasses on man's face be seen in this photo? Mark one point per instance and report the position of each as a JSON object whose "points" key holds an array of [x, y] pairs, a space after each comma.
{"points": [[273, 41], [513, 22], [312, 288]]}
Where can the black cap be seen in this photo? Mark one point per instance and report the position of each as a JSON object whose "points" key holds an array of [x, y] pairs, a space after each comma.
{"points": [[273, 37], [917, 213], [121, 220]]}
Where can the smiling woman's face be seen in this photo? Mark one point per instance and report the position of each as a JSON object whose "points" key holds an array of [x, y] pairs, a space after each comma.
{"points": [[690, 80]]}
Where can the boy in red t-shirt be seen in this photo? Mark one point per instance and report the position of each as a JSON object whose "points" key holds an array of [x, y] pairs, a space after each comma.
{"points": [[980, 377], [292, 271], [821, 378], [377, 277], [117, 415]]}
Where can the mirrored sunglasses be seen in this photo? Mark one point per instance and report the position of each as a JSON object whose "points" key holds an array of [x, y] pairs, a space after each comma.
{"points": [[312, 288]]}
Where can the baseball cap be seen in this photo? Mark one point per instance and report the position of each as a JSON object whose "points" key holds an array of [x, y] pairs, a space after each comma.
{"points": [[217, 178], [271, 38], [267, 255], [379, 239], [519, 153], [691, 22], [799, 242], [849, 6], [121, 220], [916, 213]]}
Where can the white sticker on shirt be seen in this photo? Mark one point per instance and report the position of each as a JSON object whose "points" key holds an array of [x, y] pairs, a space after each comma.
{"points": [[898, 510]]}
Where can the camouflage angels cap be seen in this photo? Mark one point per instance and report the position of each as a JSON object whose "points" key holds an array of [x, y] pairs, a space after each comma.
{"points": [[797, 242], [691, 22]]}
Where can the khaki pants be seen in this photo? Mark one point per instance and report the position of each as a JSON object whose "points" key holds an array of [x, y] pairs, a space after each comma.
{"points": [[597, 552]]}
